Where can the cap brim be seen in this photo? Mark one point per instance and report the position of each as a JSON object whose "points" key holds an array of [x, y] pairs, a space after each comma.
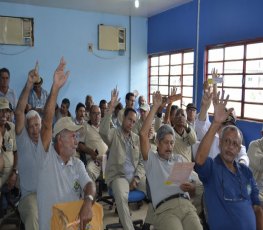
{"points": [[73, 128], [6, 107]]}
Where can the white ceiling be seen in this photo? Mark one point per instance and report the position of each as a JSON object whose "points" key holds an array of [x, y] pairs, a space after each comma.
{"points": [[121, 7]]}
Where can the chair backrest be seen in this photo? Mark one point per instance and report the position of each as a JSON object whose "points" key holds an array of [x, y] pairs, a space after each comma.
{"points": [[135, 196]]}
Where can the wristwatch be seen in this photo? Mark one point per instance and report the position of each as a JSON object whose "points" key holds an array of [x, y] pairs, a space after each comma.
{"points": [[89, 197]]}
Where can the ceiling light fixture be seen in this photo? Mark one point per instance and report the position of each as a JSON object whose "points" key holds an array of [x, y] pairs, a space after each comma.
{"points": [[136, 3]]}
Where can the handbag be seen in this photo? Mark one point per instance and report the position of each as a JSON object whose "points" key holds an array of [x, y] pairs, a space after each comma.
{"points": [[65, 216]]}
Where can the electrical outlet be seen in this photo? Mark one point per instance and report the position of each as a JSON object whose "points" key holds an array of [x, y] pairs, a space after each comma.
{"points": [[90, 47]]}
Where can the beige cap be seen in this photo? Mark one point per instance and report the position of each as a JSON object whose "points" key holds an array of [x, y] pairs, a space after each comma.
{"points": [[4, 103], [65, 123]]}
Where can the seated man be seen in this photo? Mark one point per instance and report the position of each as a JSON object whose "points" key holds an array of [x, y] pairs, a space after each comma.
{"points": [[141, 101], [202, 125], [62, 177], [185, 135], [173, 209], [8, 150], [255, 155], [103, 107], [231, 194], [130, 103], [27, 133], [5, 90], [92, 143], [144, 111], [124, 169], [80, 120], [63, 111], [88, 103], [191, 114], [37, 97]]}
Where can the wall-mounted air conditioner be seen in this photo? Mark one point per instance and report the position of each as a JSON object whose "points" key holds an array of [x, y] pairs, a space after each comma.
{"points": [[111, 38], [16, 31]]}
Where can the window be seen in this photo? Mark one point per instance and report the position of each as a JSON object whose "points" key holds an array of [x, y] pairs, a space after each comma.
{"points": [[172, 70], [241, 66]]}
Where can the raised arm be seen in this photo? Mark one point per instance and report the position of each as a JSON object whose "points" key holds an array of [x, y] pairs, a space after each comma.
{"points": [[23, 99], [166, 119], [105, 126], [205, 104], [59, 79], [220, 114], [114, 100], [144, 139], [170, 100]]}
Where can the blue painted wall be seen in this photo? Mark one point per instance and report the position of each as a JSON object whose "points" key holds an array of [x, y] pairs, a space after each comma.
{"points": [[220, 21], [174, 29], [60, 32]]}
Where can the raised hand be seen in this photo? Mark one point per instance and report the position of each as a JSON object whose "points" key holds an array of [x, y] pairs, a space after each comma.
{"points": [[215, 73], [157, 99], [60, 76], [173, 96], [207, 98], [215, 76], [220, 112], [33, 75], [114, 96]]}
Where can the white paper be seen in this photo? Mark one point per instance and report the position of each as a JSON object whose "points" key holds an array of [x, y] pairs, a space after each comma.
{"points": [[180, 173]]}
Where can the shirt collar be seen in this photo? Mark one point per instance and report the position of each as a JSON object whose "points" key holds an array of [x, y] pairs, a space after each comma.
{"points": [[219, 160], [70, 162]]}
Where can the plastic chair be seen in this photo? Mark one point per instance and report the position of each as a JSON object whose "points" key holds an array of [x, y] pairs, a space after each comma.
{"points": [[135, 196]]}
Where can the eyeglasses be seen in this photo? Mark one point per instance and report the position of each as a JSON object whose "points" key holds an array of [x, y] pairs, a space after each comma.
{"points": [[230, 142], [237, 198]]}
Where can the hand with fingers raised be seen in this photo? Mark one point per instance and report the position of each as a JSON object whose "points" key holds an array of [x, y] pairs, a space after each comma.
{"points": [[173, 96], [60, 75], [220, 112]]}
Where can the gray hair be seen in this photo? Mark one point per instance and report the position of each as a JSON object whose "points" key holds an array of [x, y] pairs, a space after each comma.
{"points": [[164, 130], [232, 128], [32, 113]]}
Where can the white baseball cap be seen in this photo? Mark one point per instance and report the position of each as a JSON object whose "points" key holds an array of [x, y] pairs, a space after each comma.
{"points": [[65, 123]]}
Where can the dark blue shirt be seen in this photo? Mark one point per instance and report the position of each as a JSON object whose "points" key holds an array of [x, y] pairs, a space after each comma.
{"points": [[229, 196]]}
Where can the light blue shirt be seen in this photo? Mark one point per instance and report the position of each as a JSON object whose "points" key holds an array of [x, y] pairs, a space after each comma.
{"points": [[58, 182]]}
